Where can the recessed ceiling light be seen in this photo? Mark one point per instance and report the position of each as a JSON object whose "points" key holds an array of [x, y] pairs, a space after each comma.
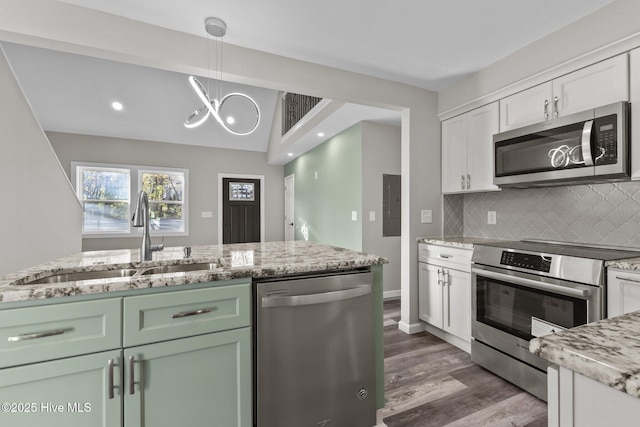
{"points": [[321, 134], [230, 120], [116, 106], [290, 154]]}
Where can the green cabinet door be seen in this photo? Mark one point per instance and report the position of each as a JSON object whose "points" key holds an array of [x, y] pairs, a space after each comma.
{"points": [[198, 381], [71, 392]]}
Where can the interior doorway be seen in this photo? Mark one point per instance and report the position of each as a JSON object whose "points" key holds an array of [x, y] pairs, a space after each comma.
{"points": [[240, 208], [289, 216]]}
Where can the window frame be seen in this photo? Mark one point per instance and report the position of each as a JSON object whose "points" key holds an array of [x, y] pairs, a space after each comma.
{"points": [[135, 184]]}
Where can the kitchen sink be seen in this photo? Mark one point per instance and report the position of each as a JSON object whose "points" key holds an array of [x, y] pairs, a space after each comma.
{"points": [[84, 275], [179, 268]]}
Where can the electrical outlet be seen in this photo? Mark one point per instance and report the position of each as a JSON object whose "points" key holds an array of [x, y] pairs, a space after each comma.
{"points": [[354, 215], [372, 215], [491, 217], [426, 216]]}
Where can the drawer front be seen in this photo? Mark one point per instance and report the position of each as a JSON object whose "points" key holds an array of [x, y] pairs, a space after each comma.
{"points": [[170, 315], [445, 256], [36, 334]]}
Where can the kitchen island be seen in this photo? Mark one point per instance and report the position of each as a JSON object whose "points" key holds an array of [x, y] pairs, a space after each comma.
{"points": [[597, 380], [131, 345]]}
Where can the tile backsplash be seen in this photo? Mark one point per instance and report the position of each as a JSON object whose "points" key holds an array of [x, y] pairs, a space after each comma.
{"points": [[606, 214]]}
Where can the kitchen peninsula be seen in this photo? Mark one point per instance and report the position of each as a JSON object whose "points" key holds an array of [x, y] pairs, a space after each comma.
{"points": [[131, 347]]}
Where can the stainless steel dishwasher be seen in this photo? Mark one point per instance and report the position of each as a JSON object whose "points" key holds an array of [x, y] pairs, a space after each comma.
{"points": [[314, 351]]}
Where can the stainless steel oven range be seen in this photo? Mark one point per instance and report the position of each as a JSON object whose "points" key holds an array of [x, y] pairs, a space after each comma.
{"points": [[526, 289]]}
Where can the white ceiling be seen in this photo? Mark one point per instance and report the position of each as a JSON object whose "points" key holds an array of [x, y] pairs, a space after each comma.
{"points": [[423, 43]]}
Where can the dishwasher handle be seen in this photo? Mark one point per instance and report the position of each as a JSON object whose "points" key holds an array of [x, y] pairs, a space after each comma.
{"points": [[295, 300]]}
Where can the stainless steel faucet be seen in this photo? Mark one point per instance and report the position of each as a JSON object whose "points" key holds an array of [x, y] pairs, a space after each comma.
{"points": [[141, 219]]}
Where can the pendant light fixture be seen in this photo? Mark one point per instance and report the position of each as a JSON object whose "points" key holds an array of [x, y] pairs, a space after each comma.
{"points": [[236, 112]]}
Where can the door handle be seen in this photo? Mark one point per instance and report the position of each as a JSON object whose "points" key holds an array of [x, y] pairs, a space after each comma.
{"points": [[586, 143], [295, 300]]}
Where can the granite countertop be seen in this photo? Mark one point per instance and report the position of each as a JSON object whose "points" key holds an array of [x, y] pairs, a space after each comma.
{"points": [[607, 351], [456, 241], [234, 261], [624, 264]]}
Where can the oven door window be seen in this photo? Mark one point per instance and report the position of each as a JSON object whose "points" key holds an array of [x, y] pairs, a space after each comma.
{"points": [[511, 308]]}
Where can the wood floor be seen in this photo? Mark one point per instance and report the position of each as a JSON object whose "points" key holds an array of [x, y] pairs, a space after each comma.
{"points": [[430, 383]]}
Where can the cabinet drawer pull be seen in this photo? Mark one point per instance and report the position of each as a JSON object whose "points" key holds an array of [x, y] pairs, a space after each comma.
{"points": [[192, 313], [36, 335], [110, 386], [628, 279], [445, 256], [132, 384]]}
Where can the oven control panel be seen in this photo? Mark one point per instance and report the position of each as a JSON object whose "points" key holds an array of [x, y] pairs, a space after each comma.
{"points": [[528, 261]]}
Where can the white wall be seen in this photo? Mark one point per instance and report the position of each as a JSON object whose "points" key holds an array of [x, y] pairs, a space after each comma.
{"points": [[203, 163], [614, 22], [380, 155], [40, 218], [57, 25]]}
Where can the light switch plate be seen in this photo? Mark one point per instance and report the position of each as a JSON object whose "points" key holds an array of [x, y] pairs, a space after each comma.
{"points": [[206, 214], [354, 215], [426, 216], [491, 217], [372, 215]]}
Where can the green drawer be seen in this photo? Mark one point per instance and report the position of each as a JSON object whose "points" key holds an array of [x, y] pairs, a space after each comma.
{"points": [[170, 315], [36, 334]]}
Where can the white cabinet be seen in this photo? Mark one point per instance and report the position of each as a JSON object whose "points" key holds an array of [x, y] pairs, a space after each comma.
{"points": [[634, 97], [599, 84], [623, 291], [467, 150], [444, 291], [579, 401]]}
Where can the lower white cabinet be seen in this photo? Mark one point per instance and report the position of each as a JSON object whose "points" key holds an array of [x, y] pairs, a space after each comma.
{"points": [[623, 291], [444, 293], [579, 401]]}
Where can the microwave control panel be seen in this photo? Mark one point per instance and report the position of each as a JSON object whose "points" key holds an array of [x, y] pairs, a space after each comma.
{"points": [[606, 150], [526, 261]]}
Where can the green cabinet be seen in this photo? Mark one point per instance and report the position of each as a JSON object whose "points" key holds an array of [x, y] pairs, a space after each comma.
{"points": [[184, 358], [199, 381], [70, 392]]}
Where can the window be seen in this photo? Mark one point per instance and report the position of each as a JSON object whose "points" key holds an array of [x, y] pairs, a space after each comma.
{"points": [[108, 194], [165, 190]]}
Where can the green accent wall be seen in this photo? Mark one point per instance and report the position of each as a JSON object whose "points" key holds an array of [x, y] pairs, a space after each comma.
{"points": [[323, 206]]}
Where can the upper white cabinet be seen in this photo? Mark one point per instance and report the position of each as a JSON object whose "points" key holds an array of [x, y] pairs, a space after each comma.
{"points": [[634, 97], [467, 150], [599, 84]]}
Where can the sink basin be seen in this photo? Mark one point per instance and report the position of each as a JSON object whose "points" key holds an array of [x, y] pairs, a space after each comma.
{"points": [[180, 268], [84, 275]]}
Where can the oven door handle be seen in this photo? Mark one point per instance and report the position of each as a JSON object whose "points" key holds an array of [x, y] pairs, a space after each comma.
{"points": [[535, 284]]}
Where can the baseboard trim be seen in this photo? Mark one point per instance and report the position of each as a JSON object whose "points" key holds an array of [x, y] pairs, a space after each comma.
{"points": [[412, 328], [391, 294], [446, 336]]}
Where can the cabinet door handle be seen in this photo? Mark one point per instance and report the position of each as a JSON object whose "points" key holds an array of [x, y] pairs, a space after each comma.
{"points": [[468, 182], [546, 109], [192, 313], [36, 335], [445, 277], [628, 279], [555, 106], [439, 280], [132, 364], [462, 182], [110, 386]]}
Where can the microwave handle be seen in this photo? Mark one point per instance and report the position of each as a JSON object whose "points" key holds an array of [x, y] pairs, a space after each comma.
{"points": [[586, 143]]}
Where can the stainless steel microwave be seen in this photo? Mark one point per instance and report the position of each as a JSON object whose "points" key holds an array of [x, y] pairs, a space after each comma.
{"points": [[589, 146]]}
